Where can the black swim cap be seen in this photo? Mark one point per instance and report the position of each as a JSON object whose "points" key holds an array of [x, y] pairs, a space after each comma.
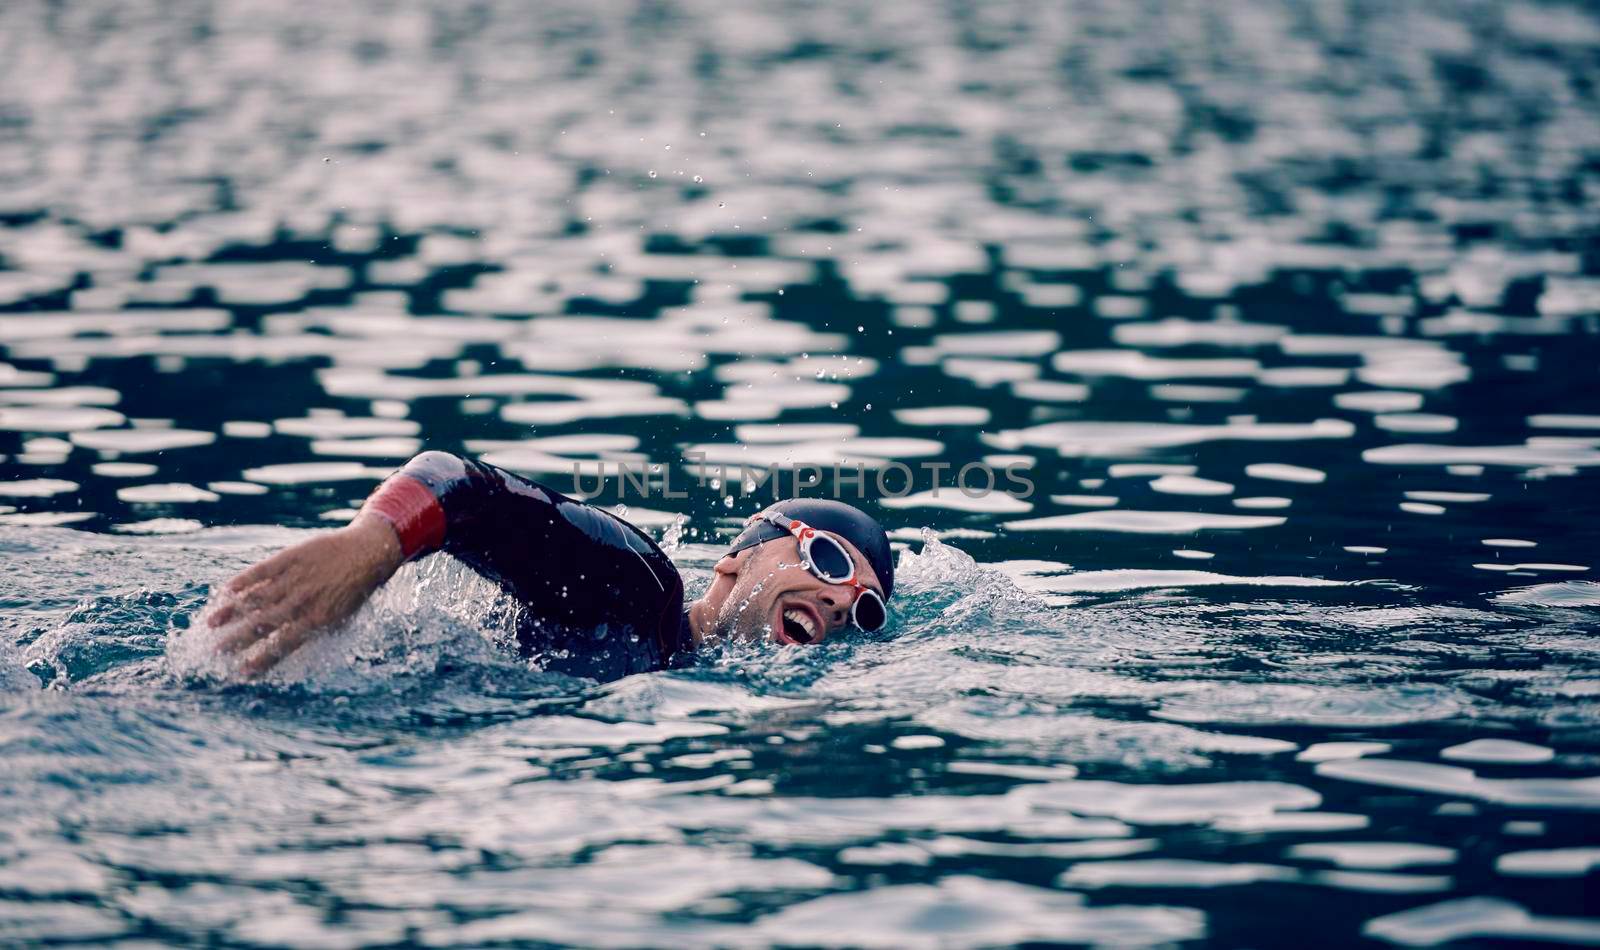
{"points": [[835, 517]]}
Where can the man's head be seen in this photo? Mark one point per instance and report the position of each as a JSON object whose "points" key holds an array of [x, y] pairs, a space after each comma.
{"points": [[763, 588]]}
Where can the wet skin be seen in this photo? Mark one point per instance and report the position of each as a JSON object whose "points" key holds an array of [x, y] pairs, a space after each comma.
{"points": [[752, 590]]}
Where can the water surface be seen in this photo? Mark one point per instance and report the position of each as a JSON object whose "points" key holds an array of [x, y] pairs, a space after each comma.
{"points": [[1287, 311]]}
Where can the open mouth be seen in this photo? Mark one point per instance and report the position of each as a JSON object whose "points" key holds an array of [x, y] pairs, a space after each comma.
{"points": [[799, 626]]}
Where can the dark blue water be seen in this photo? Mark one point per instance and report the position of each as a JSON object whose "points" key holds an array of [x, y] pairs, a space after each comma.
{"points": [[1287, 311]]}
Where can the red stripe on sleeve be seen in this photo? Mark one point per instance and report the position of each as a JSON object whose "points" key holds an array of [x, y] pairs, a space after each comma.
{"points": [[416, 515]]}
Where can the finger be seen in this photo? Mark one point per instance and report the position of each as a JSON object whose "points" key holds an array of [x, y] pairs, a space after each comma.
{"points": [[244, 634], [258, 620], [219, 615], [256, 574], [274, 649]]}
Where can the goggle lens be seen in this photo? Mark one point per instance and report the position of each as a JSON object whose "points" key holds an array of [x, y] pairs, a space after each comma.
{"points": [[829, 559], [869, 612]]}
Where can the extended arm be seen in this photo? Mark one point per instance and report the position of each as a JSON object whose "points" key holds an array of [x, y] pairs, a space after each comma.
{"points": [[574, 569]]}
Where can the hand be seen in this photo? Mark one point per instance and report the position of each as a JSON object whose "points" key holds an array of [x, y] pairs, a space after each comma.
{"points": [[270, 610]]}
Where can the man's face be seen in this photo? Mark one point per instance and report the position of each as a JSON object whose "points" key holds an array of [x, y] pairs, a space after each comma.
{"points": [[775, 598]]}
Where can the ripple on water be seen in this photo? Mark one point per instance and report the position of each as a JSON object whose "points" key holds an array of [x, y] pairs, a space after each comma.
{"points": [[1484, 917], [171, 493], [1559, 793], [1374, 855], [1501, 751], [952, 499], [36, 488], [308, 473], [1145, 522], [1335, 706], [969, 912], [1190, 485], [133, 441], [74, 419], [1554, 862], [1562, 594], [1112, 439]]}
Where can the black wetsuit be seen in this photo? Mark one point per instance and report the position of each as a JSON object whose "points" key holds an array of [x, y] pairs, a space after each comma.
{"points": [[598, 597]]}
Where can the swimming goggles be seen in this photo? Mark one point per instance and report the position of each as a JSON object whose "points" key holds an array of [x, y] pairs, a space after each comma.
{"points": [[829, 562]]}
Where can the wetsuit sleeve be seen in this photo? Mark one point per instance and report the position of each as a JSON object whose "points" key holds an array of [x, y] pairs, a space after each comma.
{"points": [[587, 581]]}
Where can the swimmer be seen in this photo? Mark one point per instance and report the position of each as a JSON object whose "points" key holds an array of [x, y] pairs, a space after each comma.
{"points": [[598, 597]]}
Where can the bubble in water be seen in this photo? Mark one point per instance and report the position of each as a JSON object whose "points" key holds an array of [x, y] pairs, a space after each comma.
{"points": [[652, 173], [780, 291], [860, 328], [727, 501], [833, 405], [869, 405], [722, 204], [698, 179], [621, 511]]}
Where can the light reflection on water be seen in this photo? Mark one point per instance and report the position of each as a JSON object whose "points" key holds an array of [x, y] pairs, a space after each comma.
{"points": [[1288, 311]]}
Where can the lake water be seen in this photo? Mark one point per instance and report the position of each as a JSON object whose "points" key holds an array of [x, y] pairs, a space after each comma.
{"points": [[1287, 311]]}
